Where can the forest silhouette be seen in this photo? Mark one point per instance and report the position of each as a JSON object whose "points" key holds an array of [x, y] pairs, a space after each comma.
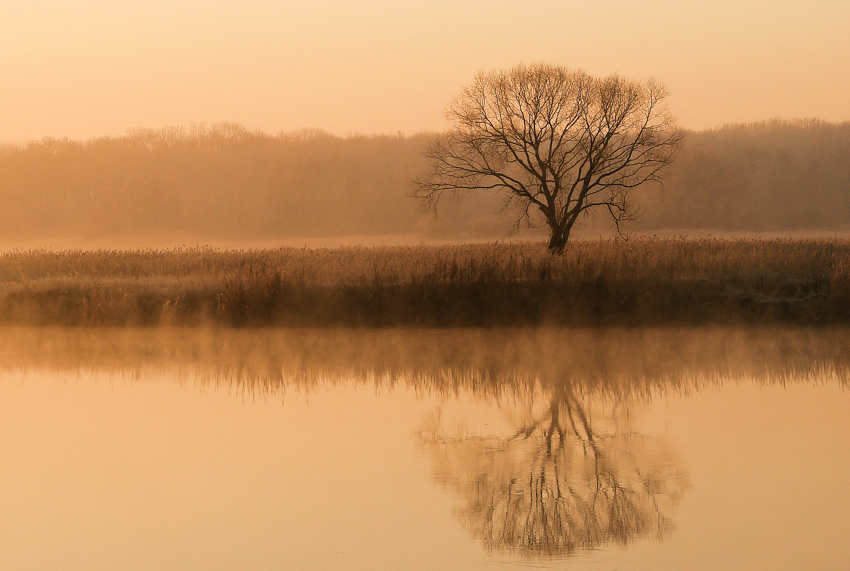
{"points": [[202, 184]]}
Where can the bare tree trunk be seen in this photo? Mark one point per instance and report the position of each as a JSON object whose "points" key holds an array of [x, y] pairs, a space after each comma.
{"points": [[558, 240]]}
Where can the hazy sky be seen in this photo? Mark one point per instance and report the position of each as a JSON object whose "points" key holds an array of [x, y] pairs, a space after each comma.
{"points": [[88, 68]]}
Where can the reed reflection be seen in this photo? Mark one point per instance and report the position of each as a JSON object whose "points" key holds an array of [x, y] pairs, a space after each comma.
{"points": [[484, 361]]}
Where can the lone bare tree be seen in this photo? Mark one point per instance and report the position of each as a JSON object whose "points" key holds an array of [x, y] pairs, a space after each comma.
{"points": [[556, 141]]}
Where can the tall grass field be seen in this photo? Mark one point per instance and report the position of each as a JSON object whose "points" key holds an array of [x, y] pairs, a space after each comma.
{"points": [[647, 281]]}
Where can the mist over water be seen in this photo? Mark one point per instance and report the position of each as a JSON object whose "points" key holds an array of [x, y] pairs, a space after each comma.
{"points": [[630, 448]]}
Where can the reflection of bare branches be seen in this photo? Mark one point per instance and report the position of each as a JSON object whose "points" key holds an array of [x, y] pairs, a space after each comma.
{"points": [[558, 485]]}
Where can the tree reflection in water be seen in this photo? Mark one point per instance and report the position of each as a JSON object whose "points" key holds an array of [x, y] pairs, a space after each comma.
{"points": [[572, 477]]}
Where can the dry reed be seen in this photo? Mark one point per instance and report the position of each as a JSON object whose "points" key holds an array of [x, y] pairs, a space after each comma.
{"points": [[603, 282]]}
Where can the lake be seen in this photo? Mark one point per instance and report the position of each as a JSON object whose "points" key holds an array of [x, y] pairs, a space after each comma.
{"points": [[664, 448]]}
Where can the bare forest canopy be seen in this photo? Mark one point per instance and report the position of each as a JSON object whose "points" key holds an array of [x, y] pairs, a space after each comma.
{"points": [[228, 183]]}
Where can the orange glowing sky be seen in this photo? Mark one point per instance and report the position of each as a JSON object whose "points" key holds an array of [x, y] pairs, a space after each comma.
{"points": [[98, 67]]}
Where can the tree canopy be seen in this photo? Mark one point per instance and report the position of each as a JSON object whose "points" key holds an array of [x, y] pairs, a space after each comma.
{"points": [[557, 142]]}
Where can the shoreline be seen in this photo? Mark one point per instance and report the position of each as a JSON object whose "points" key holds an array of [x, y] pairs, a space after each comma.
{"points": [[642, 282]]}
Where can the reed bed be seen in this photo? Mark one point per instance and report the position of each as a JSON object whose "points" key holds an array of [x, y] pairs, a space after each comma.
{"points": [[599, 282]]}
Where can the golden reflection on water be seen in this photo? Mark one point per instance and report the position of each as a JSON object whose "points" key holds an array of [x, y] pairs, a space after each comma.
{"points": [[564, 470]]}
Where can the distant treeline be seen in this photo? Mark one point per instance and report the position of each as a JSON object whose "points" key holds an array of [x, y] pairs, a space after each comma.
{"points": [[229, 182], [770, 176], [222, 181]]}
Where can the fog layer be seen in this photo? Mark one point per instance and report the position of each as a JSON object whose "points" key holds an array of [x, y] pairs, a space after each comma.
{"points": [[212, 185]]}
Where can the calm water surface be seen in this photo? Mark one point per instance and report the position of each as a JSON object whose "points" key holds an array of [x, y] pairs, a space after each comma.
{"points": [[455, 449]]}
